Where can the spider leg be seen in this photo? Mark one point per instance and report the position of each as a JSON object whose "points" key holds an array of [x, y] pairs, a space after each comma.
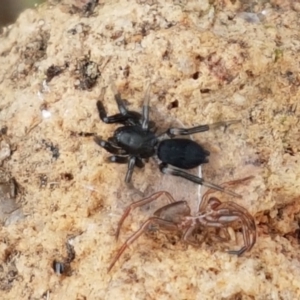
{"points": [[121, 105], [249, 236], [166, 169], [226, 238], [242, 213], [131, 164], [247, 221], [124, 160], [205, 198], [172, 132], [124, 117], [188, 233], [109, 146], [227, 213], [118, 159], [140, 203], [145, 115], [139, 163], [117, 118], [248, 227], [130, 117], [151, 221]]}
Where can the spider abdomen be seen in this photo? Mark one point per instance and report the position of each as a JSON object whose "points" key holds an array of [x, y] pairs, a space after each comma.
{"points": [[182, 153]]}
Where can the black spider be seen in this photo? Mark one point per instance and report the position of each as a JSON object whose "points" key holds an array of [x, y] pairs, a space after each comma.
{"points": [[136, 141]]}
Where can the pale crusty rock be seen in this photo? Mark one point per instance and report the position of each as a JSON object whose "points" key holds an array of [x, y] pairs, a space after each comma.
{"points": [[207, 62]]}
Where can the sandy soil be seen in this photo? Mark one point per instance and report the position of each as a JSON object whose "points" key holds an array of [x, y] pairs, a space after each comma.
{"points": [[207, 61]]}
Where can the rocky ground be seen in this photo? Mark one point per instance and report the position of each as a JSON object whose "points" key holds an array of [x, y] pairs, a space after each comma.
{"points": [[61, 200]]}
